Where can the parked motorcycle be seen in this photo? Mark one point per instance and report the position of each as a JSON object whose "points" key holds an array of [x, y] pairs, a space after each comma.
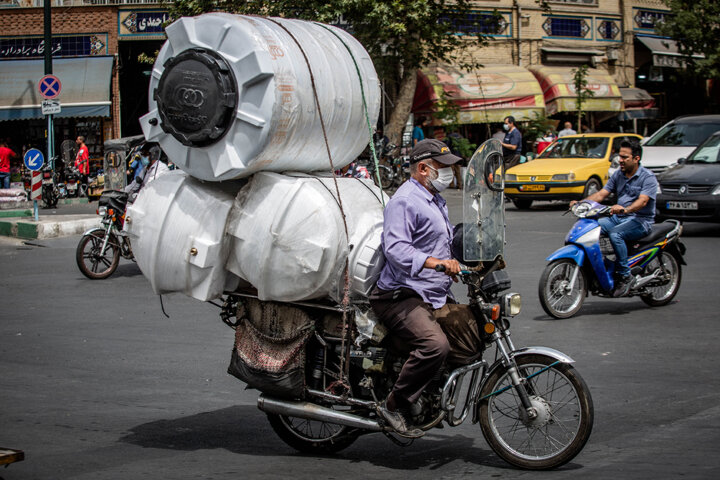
{"points": [[587, 262], [99, 251], [50, 192], [73, 182], [325, 376]]}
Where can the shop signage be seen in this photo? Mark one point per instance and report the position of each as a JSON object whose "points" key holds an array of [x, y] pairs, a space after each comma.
{"points": [[50, 107], [62, 46], [142, 22]]}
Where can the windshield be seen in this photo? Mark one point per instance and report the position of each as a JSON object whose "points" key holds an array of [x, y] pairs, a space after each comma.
{"points": [[708, 152], [682, 134], [579, 147]]}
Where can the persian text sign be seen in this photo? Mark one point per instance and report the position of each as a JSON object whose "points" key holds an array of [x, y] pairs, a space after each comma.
{"points": [[142, 22], [62, 46]]}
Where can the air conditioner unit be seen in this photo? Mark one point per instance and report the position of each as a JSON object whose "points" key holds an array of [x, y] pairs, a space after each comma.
{"points": [[613, 54]]}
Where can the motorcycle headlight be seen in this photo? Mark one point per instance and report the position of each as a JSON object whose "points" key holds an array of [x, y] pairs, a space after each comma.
{"points": [[510, 177], [102, 211], [512, 303], [563, 177]]}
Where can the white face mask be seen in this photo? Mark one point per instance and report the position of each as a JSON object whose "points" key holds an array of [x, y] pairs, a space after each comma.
{"points": [[443, 178], [506, 126]]}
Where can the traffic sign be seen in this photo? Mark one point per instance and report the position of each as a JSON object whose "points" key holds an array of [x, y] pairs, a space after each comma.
{"points": [[36, 186], [34, 159], [50, 107], [49, 86]]}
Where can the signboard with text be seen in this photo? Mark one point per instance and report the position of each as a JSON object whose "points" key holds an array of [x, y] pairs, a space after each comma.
{"points": [[136, 23], [33, 46]]}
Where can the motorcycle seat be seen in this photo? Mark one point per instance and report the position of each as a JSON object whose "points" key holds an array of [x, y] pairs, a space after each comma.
{"points": [[659, 230]]}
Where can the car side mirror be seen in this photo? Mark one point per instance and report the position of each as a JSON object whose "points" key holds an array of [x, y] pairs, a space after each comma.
{"points": [[681, 160]]}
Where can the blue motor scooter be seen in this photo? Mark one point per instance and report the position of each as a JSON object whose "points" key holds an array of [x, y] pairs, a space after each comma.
{"points": [[587, 263]]}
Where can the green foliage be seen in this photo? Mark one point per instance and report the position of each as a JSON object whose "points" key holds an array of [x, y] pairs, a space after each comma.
{"points": [[695, 25], [537, 127], [583, 93]]}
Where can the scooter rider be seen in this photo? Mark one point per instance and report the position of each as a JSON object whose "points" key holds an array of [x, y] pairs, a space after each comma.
{"points": [[633, 215], [150, 158], [417, 237]]}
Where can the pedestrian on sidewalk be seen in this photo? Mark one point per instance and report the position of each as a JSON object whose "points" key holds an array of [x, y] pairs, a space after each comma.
{"points": [[5, 155]]}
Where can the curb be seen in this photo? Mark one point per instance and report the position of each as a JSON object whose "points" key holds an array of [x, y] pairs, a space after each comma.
{"points": [[42, 229]]}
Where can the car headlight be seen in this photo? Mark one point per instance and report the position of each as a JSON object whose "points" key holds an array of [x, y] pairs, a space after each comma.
{"points": [[510, 177], [659, 190], [563, 177], [512, 303], [716, 190]]}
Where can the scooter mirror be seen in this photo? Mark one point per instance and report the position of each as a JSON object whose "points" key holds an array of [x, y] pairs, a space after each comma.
{"points": [[483, 204]]}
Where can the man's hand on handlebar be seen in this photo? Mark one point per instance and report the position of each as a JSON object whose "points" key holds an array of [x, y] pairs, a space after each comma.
{"points": [[450, 267], [617, 209]]}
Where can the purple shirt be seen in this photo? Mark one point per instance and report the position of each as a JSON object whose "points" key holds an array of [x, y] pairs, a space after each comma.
{"points": [[416, 226]]}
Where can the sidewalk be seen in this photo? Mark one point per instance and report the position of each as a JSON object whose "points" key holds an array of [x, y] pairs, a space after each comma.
{"points": [[72, 217]]}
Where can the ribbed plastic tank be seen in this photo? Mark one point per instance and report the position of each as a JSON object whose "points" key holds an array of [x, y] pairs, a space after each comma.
{"points": [[289, 241], [177, 231], [231, 95]]}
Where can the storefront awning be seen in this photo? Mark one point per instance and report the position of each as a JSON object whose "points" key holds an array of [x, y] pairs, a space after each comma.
{"points": [[638, 104], [85, 88], [664, 51], [557, 87], [486, 95]]}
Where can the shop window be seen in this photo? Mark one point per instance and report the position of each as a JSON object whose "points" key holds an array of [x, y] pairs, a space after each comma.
{"points": [[473, 23], [566, 27]]}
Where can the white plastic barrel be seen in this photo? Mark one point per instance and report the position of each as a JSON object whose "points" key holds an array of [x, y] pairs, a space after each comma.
{"points": [[231, 95], [177, 232], [289, 242]]}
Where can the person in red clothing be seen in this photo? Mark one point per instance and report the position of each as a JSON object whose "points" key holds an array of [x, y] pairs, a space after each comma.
{"points": [[82, 160], [5, 155]]}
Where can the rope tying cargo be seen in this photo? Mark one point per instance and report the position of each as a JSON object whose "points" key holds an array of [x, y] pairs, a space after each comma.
{"points": [[340, 386], [367, 115]]}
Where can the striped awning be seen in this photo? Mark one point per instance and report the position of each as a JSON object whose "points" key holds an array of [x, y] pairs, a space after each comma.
{"points": [[560, 96], [485, 95]]}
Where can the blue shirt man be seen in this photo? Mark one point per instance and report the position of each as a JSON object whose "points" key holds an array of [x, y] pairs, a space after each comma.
{"points": [[633, 215], [512, 143], [417, 237]]}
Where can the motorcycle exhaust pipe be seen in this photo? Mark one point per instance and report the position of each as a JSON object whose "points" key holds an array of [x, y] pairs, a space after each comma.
{"points": [[311, 411]]}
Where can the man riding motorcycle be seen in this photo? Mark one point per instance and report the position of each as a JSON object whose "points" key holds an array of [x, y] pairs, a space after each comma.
{"points": [[417, 237], [152, 168]]}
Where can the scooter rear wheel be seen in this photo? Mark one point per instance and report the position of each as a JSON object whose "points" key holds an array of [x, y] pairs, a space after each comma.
{"points": [[93, 263], [662, 294], [559, 296]]}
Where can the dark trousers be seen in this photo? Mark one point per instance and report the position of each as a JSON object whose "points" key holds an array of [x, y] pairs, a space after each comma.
{"points": [[511, 160], [411, 321]]}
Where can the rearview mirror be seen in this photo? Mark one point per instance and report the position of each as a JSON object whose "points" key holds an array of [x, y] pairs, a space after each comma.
{"points": [[681, 160]]}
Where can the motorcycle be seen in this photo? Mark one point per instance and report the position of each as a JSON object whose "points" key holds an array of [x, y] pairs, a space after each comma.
{"points": [[533, 407], [73, 182], [50, 192], [99, 251], [587, 262]]}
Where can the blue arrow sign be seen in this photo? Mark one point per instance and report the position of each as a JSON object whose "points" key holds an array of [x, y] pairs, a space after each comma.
{"points": [[49, 86], [34, 159]]}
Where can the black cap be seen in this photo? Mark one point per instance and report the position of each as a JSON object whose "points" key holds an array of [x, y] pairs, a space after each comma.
{"points": [[435, 149]]}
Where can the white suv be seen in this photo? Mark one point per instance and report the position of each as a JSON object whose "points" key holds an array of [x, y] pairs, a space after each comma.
{"points": [[677, 139]]}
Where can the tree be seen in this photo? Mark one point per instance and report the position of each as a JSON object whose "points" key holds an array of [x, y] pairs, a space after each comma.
{"points": [[580, 75], [400, 35], [695, 26]]}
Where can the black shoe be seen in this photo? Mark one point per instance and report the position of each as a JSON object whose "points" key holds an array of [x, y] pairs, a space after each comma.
{"points": [[623, 286], [397, 422]]}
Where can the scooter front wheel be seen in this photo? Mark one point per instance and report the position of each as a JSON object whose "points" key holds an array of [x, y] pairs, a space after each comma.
{"points": [[562, 288]]}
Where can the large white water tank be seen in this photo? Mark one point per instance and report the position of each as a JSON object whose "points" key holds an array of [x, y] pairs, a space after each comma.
{"points": [[231, 95], [289, 241], [177, 232]]}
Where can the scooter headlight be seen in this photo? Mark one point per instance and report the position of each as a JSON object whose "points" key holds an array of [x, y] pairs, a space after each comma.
{"points": [[512, 303]]}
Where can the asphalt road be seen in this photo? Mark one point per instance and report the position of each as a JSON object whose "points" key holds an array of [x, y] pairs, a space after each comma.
{"points": [[97, 383]]}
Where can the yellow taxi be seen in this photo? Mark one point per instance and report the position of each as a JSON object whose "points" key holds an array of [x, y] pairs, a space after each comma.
{"points": [[570, 168]]}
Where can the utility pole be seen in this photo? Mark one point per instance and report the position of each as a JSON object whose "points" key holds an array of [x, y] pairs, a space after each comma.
{"points": [[48, 70]]}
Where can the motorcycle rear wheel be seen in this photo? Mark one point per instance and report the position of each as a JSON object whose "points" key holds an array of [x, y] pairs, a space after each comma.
{"points": [[663, 294], [91, 262], [558, 298], [311, 436], [564, 421], [386, 177]]}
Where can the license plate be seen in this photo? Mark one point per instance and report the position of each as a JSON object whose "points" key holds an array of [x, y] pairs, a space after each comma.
{"points": [[532, 188], [682, 205]]}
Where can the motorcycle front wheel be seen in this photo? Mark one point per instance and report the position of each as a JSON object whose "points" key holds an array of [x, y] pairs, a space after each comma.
{"points": [[560, 296], [386, 177], [661, 292], [564, 414], [93, 263], [312, 436]]}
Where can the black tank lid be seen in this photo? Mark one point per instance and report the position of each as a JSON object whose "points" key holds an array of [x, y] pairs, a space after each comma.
{"points": [[196, 97]]}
